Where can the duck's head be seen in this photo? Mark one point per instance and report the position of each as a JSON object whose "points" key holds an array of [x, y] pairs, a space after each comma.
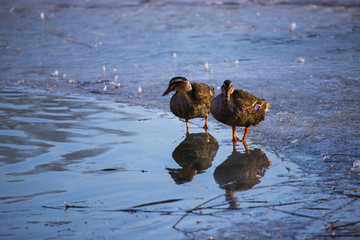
{"points": [[227, 89], [178, 84]]}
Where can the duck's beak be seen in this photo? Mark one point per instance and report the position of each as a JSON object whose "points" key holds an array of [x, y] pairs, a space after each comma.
{"points": [[169, 90], [227, 97]]}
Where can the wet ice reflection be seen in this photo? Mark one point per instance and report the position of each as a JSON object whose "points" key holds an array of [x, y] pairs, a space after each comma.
{"points": [[195, 154], [112, 159], [32, 125], [240, 172]]}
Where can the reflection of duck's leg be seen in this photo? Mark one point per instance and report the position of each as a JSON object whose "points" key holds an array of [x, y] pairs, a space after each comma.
{"points": [[234, 134], [231, 199], [246, 147], [207, 135], [234, 146], [245, 134], [206, 120]]}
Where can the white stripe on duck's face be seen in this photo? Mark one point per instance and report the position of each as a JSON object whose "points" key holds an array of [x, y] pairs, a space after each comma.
{"points": [[227, 89]]}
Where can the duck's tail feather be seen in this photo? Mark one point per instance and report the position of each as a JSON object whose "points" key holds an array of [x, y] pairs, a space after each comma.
{"points": [[267, 105]]}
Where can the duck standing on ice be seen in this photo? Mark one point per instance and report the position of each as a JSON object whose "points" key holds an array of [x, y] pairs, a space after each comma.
{"points": [[191, 100], [238, 108]]}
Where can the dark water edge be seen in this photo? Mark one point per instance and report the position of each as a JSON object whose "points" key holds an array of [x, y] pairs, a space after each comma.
{"points": [[310, 76]]}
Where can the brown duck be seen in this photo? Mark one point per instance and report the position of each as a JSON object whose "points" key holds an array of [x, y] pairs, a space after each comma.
{"points": [[238, 108], [191, 100]]}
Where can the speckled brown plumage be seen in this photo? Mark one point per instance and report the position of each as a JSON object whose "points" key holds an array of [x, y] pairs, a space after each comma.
{"points": [[191, 100], [238, 108]]}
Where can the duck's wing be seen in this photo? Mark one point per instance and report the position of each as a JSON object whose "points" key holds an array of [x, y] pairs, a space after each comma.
{"points": [[246, 99], [202, 92]]}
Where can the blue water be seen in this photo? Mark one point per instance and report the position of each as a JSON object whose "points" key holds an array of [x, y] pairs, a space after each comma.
{"points": [[105, 159], [75, 128], [102, 156]]}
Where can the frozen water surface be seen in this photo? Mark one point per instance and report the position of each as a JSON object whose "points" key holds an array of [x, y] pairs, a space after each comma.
{"points": [[129, 172], [124, 163]]}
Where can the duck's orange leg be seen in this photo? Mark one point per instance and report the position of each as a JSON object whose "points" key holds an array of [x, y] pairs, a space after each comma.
{"points": [[245, 134], [234, 138], [187, 126], [206, 120]]}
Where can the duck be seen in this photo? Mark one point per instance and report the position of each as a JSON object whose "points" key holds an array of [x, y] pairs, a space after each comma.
{"points": [[191, 100], [238, 108]]}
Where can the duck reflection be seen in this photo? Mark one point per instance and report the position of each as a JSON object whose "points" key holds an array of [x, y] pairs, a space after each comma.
{"points": [[240, 172], [195, 154]]}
